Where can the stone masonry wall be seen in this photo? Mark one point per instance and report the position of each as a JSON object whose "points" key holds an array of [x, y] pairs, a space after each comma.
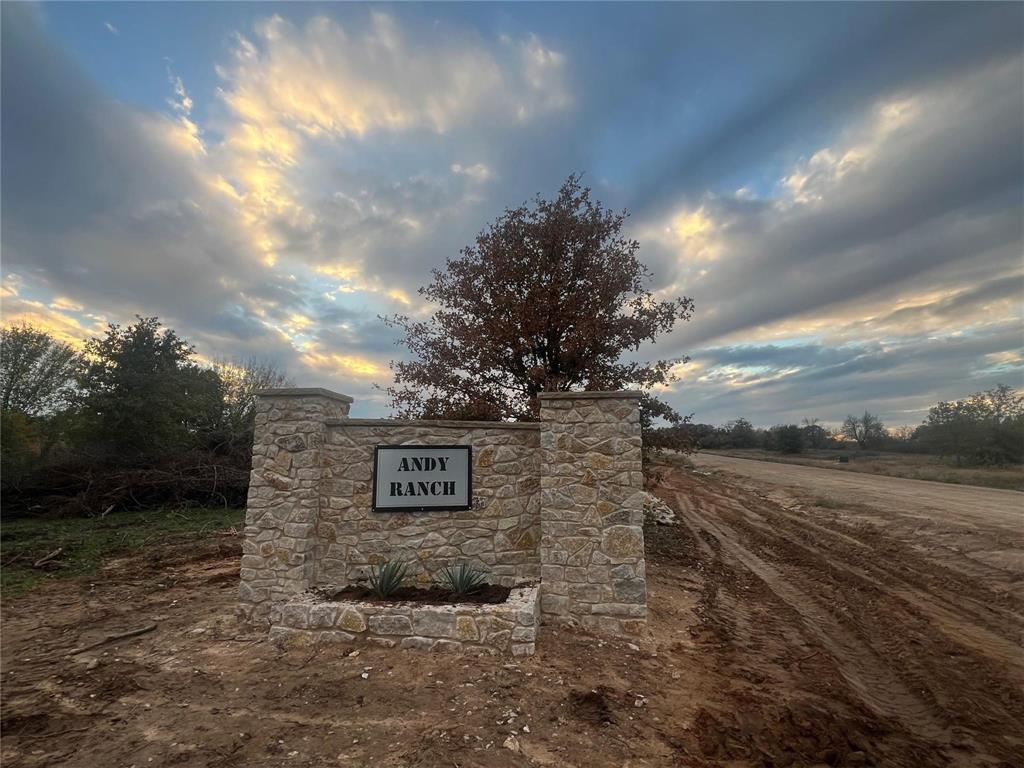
{"points": [[500, 534], [593, 570], [560, 502], [284, 495], [509, 627]]}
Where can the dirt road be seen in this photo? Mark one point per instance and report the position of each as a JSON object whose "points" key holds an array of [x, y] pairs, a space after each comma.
{"points": [[782, 634], [957, 504], [985, 525], [909, 593]]}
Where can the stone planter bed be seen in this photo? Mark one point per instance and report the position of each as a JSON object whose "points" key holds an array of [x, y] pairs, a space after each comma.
{"points": [[509, 627]]}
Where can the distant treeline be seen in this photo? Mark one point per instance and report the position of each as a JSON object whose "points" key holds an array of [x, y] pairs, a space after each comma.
{"points": [[983, 429], [131, 421]]}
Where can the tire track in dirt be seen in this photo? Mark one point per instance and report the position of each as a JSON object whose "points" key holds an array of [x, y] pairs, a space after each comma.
{"points": [[943, 605], [913, 638], [985, 603], [966, 506], [970, 529], [862, 669]]}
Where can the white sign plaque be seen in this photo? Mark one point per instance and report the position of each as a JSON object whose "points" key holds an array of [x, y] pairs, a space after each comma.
{"points": [[422, 478]]}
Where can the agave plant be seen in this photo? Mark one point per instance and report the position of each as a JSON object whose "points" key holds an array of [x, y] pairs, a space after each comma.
{"points": [[387, 577], [462, 580]]}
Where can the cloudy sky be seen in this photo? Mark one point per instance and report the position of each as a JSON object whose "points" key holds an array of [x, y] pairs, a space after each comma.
{"points": [[838, 187]]}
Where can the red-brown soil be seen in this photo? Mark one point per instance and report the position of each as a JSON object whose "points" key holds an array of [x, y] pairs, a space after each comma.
{"points": [[781, 635]]}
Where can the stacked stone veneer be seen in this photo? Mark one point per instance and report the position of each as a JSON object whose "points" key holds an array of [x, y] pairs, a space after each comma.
{"points": [[559, 502], [592, 538], [509, 627], [500, 534], [283, 508]]}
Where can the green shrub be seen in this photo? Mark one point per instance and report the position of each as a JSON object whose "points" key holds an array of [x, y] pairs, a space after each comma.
{"points": [[462, 580], [16, 447], [387, 577]]}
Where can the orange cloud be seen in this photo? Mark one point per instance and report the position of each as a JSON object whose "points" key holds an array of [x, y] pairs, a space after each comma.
{"points": [[335, 363], [55, 321]]}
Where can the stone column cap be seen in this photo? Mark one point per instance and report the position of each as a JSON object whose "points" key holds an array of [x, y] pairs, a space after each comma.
{"points": [[304, 392], [444, 423], [618, 394]]}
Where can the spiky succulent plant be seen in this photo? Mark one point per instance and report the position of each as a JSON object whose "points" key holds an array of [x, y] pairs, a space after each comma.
{"points": [[387, 577], [462, 580]]}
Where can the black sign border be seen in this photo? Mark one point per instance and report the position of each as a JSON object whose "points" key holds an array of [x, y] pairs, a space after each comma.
{"points": [[431, 508]]}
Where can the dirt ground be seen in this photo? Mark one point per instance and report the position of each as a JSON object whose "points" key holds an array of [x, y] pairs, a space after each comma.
{"points": [[962, 506], [782, 633], [911, 466]]}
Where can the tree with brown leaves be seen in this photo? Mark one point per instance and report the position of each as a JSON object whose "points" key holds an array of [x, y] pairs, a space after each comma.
{"points": [[549, 298]]}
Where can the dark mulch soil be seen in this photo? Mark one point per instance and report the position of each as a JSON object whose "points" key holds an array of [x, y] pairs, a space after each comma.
{"points": [[487, 594]]}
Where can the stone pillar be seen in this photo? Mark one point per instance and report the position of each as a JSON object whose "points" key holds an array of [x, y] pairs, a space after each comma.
{"points": [[592, 538], [284, 495]]}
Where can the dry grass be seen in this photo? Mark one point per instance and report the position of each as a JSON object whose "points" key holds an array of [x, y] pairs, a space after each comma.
{"points": [[914, 466]]}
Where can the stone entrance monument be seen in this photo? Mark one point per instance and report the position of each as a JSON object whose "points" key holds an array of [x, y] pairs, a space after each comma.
{"points": [[552, 509]]}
